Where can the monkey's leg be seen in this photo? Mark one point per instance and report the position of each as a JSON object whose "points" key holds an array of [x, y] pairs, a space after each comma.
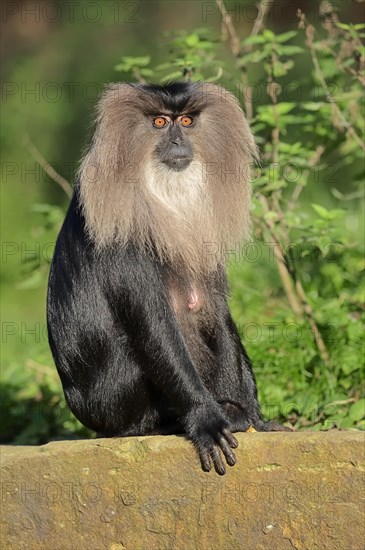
{"points": [[246, 412], [234, 381], [110, 395], [143, 312]]}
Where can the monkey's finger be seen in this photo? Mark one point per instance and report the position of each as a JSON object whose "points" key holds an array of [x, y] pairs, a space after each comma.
{"points": [[205, 461], [227, 451], [230, 438], [217, 461]]}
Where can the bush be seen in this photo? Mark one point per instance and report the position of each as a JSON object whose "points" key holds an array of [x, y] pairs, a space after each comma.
{"points": [[297, 291]]}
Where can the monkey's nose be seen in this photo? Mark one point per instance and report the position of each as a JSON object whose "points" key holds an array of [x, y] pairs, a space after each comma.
{"points": [[177, 141]]}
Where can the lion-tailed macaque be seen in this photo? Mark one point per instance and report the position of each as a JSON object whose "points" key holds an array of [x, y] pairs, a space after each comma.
{"points": [[138, 320]]}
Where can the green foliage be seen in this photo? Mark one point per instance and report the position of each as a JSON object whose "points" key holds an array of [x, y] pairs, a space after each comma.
{"points": [[302, 323], [303, 143], [191, 56]]}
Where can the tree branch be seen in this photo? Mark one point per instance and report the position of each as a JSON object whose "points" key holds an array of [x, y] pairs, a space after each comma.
{"points": [[235, 44], [47, 167], [310, 31], [298, 300], [313, 161], [292, 286]]}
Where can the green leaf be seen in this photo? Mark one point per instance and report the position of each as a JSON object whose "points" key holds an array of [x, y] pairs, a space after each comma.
{"points": [[357, 410], [146, 72], [252, 40], [328, 214], [286, 36], [321, 210], [313, 106], [349, 365], [284, 107], [172, 76], [275, 185], [271, 216], [192, 40], [289, 50], [281, 69], [129, 63], [343, 26], [255, 57], [269, 35], [142, 61]]}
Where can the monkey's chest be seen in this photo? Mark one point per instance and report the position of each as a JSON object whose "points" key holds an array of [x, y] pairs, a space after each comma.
{"points": [[187, 299], [194, 312]]}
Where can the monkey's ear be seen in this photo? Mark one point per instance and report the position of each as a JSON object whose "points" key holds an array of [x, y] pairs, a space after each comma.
{"points": [[108, 170]]}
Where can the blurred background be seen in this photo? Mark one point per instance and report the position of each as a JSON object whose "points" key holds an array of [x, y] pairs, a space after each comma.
{"points": [[299, 74]]}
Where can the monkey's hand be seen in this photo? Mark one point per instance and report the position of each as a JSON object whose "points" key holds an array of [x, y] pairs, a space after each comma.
{"points": [[207, 427]]}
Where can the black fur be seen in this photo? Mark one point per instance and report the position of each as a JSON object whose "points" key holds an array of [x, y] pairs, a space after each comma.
{"points": [[120, 353], [175, 96], [129, 361]]}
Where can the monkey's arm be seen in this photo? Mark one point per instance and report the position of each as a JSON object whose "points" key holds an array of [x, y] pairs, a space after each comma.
{"points": [[235, 386], [140, 303], [242, 406]]}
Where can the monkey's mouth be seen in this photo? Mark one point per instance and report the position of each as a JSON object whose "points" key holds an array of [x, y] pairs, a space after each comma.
{"points": [[178, 163]]}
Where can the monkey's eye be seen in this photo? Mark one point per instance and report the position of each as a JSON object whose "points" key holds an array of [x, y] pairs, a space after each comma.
{"points": [[186, 120], [159, 121]]}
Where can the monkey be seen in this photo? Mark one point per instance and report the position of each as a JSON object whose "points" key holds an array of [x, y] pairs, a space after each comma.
{"points": [[137, 312]]}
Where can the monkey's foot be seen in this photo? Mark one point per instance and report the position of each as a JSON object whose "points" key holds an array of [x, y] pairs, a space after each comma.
{"points": [[248, 426], [270, 426]]}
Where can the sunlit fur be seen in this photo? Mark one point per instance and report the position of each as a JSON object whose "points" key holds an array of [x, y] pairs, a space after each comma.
{"points": [[127, 194], [137, 310]]}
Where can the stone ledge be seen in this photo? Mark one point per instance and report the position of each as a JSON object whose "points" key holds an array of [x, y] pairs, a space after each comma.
{"points": [[301, 491]]}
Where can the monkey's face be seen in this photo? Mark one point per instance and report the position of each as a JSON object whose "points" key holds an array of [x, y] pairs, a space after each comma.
{"points": [[168, 167], [174, 147]]}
